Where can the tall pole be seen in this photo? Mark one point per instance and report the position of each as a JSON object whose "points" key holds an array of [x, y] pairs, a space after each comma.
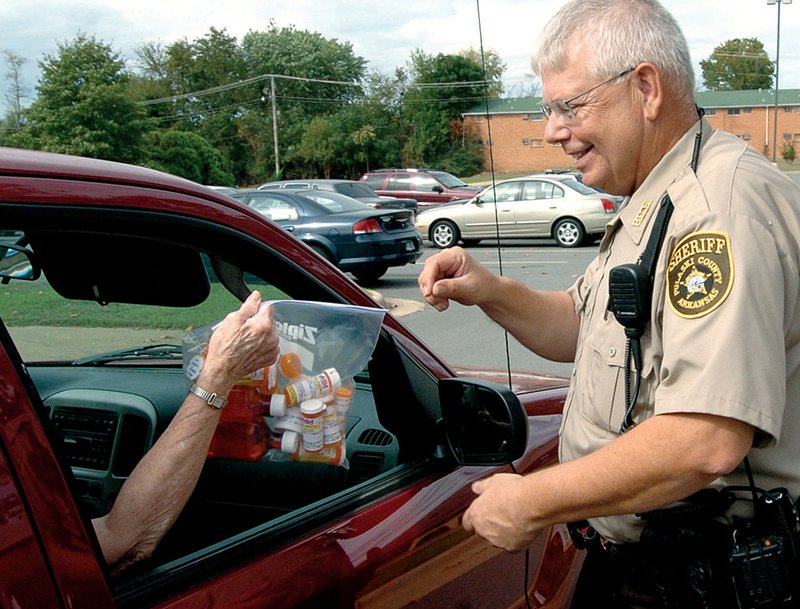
{"points": [[275, 126], [777, 72]]}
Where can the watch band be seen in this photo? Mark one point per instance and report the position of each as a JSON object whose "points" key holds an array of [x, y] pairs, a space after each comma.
{"points": [[212, 399]]}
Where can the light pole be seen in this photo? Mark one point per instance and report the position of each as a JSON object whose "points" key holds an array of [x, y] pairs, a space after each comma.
{"points": [[777, 60]]}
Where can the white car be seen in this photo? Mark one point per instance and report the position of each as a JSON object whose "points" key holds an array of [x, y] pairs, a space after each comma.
{"points": [[549, 206]]}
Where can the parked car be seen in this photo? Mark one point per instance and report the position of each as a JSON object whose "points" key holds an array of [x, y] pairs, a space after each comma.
{"points": [[355, 237], [429, 187], [79, 410], [351, 188], [228, 190], [555, 206]]}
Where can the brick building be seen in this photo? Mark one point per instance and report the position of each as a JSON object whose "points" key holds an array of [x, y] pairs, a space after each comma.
{"points": [[517, 126]]}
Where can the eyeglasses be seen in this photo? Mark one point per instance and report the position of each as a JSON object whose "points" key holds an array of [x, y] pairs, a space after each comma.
{"points": [[563, 107]]}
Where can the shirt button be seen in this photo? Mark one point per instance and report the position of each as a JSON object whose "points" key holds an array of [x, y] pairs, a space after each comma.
{"points": [[612, 351]]}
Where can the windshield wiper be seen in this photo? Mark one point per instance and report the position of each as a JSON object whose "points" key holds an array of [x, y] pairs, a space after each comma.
{"points": [[157, 351]]}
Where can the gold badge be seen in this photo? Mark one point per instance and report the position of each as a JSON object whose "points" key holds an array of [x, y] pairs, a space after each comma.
{"points": [[640, 215], [699, 274]]}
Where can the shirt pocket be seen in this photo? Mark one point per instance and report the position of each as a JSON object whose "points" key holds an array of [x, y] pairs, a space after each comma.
{"points": [[600, 381]]}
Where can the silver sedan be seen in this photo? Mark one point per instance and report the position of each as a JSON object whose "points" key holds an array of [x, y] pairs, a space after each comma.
{"points": [[557, 207]]}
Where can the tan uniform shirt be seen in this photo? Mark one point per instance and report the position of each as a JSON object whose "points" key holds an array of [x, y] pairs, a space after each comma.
{"points": [[724, 332]]}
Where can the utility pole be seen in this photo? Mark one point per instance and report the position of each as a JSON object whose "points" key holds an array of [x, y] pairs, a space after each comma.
{"points": [[274, 126]]}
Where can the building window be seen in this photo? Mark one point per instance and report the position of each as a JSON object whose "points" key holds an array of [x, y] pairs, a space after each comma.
{"points": [[710, 111], [537, 143], [537, 116], [525, 117], [734, 111], [747, 110], [746, 137], [525, 141], [787, 137]]}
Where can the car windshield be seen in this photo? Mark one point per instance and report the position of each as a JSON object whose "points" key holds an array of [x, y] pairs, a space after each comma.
{"points": [[333, 201], [447, 179], [357, 190]]}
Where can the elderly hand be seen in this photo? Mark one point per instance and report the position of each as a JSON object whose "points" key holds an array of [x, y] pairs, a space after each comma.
{"points": [[454, 275], [241, 343], [498, 513]]}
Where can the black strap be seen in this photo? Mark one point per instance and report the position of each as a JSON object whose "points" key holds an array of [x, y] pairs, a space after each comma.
{"points": [[657, 234]]}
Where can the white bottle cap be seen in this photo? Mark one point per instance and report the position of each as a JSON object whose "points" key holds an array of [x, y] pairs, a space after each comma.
{"points": [[277, 405], [290, 442], [336, 380], [312, 406]]}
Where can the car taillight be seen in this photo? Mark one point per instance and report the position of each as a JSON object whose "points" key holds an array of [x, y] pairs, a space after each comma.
{"points": [[608, 206], [370, 225]]}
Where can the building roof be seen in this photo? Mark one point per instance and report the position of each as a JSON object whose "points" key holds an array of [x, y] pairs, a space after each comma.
{"points": [[705, 99]]}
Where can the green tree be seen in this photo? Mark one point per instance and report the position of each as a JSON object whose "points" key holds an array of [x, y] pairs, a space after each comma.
{"points": [[738, 64], [316, 148], [442, 87], [187, 155], [83, 105]]}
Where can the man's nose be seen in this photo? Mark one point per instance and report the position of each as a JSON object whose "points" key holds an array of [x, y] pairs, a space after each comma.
{"points": [[555, 131]]}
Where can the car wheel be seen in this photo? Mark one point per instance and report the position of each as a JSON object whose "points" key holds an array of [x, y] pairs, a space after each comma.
{"points": [[444, 234], [370, 275], [569, 233]]}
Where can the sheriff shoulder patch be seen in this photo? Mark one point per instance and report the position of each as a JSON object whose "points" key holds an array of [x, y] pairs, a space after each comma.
{"points": [[699, 274]]}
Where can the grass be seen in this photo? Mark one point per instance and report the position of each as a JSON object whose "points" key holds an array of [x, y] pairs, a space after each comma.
{"points": [[36, 304]]}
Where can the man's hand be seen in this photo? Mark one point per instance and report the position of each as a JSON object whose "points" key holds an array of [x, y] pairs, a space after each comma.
{"points": [[454, 275], [499, 513]]}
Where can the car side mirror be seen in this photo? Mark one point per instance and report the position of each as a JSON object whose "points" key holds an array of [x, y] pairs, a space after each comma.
{"points": [[485, 423], [438, 189], [17, 262]]}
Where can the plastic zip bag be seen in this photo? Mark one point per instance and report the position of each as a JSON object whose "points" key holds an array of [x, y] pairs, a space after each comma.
{"points": [[295, 409]]}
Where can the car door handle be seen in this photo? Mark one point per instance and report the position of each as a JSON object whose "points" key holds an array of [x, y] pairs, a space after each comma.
{"points": [[289, 228]]}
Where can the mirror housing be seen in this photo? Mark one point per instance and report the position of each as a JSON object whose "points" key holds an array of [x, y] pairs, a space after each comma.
{"points": [[17, 262], [485, 423]]}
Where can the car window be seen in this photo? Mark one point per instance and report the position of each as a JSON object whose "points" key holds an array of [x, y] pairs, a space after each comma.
{"points": [[424, 183], [539, 189], [508, 191], [579, 187], [274, 208], [400, 181], [357, 190], [333, 202], [448, 179], [375, 180]]}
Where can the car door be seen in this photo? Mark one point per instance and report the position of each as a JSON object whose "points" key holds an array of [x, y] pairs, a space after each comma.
{"points": [[493, 212], [538, 207]]}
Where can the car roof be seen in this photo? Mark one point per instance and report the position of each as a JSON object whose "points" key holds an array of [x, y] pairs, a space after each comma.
{"points": [[16, 161]]}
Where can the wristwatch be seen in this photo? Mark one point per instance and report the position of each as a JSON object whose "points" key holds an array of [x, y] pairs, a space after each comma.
{"points": [[212, 399]]}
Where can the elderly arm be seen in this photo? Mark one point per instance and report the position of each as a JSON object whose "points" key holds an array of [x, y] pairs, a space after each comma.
{"points": [[161, 483]]}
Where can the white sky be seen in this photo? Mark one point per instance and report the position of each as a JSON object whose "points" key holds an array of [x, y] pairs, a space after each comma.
{"points": [[383, 33]]}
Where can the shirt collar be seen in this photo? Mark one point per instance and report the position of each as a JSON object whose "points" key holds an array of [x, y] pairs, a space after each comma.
{"points": [[637, 215]]}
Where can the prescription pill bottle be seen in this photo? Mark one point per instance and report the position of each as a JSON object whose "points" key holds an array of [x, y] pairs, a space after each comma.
{"points": [[315, 386], [331, 430], [342, 400], [312, 410]]}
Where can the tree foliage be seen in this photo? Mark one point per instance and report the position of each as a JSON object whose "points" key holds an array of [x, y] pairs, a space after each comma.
{"points": [[212, 108], [83, 106], [736, 65]]}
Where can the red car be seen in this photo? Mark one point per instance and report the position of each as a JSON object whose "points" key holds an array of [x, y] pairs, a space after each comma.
{"points": [[151, 256], [428, 187]]}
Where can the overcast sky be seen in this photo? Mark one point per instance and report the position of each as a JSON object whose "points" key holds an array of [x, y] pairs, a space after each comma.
{"points": [[383, 33]]}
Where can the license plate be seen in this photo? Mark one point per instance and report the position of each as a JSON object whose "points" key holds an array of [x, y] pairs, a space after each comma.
{"points": [[410, 246]]}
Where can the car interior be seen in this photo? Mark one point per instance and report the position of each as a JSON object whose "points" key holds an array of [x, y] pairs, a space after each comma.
{"points": [[106, 407]]}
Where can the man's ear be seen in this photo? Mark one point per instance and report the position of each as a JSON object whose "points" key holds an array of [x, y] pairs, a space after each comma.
{"points": [[651, 90]]}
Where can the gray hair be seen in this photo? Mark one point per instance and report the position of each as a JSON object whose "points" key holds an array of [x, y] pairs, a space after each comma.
{"points": [[621, 34]]}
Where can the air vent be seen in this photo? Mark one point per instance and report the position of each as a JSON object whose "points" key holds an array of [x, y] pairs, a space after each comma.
{"points": [[87, 436], [375, 437], [364, 466]]}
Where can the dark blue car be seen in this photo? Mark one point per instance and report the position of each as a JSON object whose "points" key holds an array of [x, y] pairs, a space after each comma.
{"points": [[355, 237]]}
